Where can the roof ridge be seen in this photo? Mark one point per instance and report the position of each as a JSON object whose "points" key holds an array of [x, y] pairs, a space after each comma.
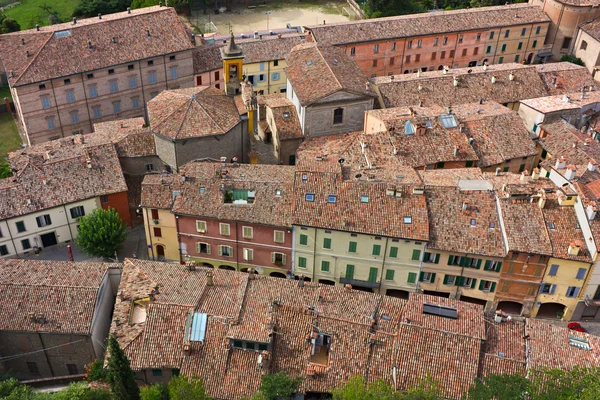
{"points": [[209, 115], [187, 111], [333, 73], [34, 58], [171, 113], [50, 286]]}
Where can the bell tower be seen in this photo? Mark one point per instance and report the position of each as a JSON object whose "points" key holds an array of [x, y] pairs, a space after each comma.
{"points": [[233, 57]]}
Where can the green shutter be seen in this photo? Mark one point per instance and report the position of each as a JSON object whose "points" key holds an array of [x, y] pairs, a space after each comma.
{"points": [[303, 240], [493, 287], [432, 280], [389, 275], [426, 256], [469, 164], [325, 266], [373, 274], [393, 252], [465, 261], [416, 255], [445, 279], [376, 249], [487, 264], [460, 280], [421, 277], [437, 258], [450, 259], [473, 282], [327, 243], [349, 271], [481, 283], [478, 264], [412, 277], [301, 262], [352, 247], [498, 267]]}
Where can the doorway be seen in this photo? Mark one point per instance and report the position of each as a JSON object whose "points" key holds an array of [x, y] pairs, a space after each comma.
{"points": [[48, 239], [160, 252]]}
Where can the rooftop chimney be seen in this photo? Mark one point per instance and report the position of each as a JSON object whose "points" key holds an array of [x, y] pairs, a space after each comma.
{"points": [[591, 166], [542, 201], [23, 41], [128, 10], [99, 16], [209, 278], [566, 99], [89, 44], [455, 151], [590, 210], [27, 53], [535, 174], [493, 80], [301, 281], [570, 172], [74, 20], [574, 248], [524, 175], [455, 81], [498, 171], [148, 32], [560, 163], [511, 77], [37, 27]]}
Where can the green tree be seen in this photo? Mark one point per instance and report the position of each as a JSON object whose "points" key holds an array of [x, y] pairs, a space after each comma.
{"points": [[572, 59], [278, 386], [95, 371], [91, 8], [101, 233], [7, 386], [426, 389], [177, 4], [183, 388], [5, 171], [80, 391], [120, 377], [9, 25], [357, 389], [154, 392], [386, 8], [499, 387]]}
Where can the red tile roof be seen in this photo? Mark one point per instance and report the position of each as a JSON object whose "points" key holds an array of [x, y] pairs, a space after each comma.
{"points": [[139, 34], [194, 112], [64, 293], [132, 138], [318, 72]]}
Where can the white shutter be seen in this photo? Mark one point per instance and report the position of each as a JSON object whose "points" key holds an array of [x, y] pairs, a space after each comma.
{"points": [[201, 226], [198, 247], [248, 254], [279, 236], [283, 259], [208, 249], [220, 250], [230, 250], [273, 258], [247, 232], [224, 229]]}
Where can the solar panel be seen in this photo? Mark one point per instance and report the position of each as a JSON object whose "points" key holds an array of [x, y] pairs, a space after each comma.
{"points": [[198, 329], [441, 311]]}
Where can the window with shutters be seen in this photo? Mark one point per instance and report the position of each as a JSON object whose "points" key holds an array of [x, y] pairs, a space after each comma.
{"points": [[26, 244], [469, 282], [474, 263], [547, 288], [325, 266], [202, 248], [349, 271], [278, 258], [157, 232], [43, 220], [431, 258], [3, 250], [572, 291], [301, 262], [114, 86], [454, 260], [389, 275], [427, 277], [173, 72], [33, 368], [581, 273], [485, 286], [303, 239], [77, 212], [248, 254], [553, 270], [247, 232], [352, 247], [376, 249], [412, 277], [70, 96], [72, 368], [279, 237], [416, 255], [96, 112], [224, 229], [200, 226], [132, 82], [393, 252], [327, 243], [503, 48], [226, 251], [373, 274], [449, 280], [93, 91], [152, 77]]}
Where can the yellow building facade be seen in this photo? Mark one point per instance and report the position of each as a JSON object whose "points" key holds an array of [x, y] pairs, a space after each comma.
{"points": [[374, 263], [516, 43], [161, 234], [266, 77]]}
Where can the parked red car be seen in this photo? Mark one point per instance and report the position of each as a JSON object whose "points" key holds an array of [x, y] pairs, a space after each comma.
{"points": [[575, 326]]}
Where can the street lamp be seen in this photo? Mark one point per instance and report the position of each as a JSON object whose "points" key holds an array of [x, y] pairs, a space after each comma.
{"points": [[267, 14]]}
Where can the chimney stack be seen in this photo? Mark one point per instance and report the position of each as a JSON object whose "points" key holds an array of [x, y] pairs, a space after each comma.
{"points": [[590, 210], [570, 172], [524, 175], [535, 174], [37, 27], [591, 166], [574, 248], [301, 281], [74, 20], [455, 151], [209, 278], [128, 10], [99, 16], [498, 171], [561, 163]]}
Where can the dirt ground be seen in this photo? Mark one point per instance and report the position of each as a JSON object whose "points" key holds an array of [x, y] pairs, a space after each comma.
{"points": [[243, 20]]}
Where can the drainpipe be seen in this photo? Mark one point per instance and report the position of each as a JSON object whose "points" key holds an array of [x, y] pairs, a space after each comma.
{"points": [[237, 248], [150, 235], [383, 263], [315, 254], [46, 354], [62, 129], [293, 264], [68, 223], [11, 238], [87, 105], [420, 266], [178, 239]]}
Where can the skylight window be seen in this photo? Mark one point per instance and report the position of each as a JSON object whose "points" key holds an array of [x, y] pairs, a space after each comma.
{"points": [[492, 225], [202, 190], [309, 197], [448, 121], [196, 327], [409, 129], [428, 123], [408, 219], [580, 343], [440, 311], [286, 114], [304, 177], [473, 222], [277, 192], [332, 198], [551, 226], [60, 34], [364, 199]]}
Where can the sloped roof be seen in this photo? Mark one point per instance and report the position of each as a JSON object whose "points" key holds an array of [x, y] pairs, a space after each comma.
{"points": [[426, 24], [65, 293], [317, 72], [139, 34], [194, 112], [130, 136]]}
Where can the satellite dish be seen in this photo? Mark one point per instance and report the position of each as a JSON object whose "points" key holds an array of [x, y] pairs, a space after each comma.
{"points": [[260, 270]]}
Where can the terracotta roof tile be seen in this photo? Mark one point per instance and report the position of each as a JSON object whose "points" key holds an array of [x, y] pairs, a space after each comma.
{"points": [[59, 172], [565, 77], [52, 54], [592, 28], [557, 103], [64, 293], [271, 47], [272, 184], [193, 112], [525, 227], [207, 58], [426, 24], [157, 190], [285, 117], [318, 72], [130, 136], [566, 231]]}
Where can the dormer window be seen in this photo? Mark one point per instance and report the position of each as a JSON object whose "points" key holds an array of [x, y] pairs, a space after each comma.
{"points": [[551, 226], [202, 190], [239, 196]]}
